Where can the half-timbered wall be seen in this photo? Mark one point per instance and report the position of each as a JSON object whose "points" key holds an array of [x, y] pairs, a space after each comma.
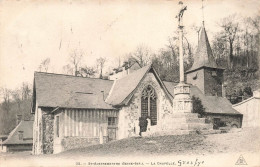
{"points": [[87, 123], [81, 128]]}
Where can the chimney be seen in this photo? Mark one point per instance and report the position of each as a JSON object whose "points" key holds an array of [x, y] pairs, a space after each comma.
{"points": [[18, 119], [20, 135], [224, 90]]}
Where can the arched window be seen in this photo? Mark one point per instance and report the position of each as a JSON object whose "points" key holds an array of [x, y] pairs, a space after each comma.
{"points": [[149, 105]]}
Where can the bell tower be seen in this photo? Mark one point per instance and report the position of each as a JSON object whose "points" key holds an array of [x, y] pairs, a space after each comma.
{"points": [[205, 74]]}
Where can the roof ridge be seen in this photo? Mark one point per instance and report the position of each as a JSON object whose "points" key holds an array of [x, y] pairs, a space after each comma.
{"points": [[12, 132], [67, 75], [136, 71]]}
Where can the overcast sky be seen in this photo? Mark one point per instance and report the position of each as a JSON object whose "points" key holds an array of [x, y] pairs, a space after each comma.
{"points": [[33, 31]]}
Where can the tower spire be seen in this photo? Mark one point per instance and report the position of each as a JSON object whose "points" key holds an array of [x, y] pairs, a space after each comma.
{"points": [[202, 10]]}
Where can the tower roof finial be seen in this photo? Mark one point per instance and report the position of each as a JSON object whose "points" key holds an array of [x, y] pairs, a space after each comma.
{"points": [[202, 9]]}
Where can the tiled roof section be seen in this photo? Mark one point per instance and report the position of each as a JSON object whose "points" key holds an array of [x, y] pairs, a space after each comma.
{"points": [[56, 90], [212, 104], [203, 56], [27, 128], [124, 86]]}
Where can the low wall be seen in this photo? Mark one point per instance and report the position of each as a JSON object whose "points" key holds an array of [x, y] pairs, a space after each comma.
{"points": [[79, 142], [19, 147], [229, 120]]}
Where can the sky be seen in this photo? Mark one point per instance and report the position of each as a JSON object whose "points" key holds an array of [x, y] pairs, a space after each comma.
{"points": [[31, 31]]}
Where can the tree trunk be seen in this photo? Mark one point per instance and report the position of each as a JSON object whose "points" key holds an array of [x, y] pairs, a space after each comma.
{"points": [[230, 61]]}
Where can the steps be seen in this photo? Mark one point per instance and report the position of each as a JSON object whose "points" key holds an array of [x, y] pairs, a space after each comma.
{"points": [[180, 124]]}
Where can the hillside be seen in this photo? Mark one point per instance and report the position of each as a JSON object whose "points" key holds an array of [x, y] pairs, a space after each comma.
{"points": [[236, 141]]}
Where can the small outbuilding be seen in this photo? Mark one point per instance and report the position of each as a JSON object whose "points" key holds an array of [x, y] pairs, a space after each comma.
{"points": [[250, 108], [20, 139]]}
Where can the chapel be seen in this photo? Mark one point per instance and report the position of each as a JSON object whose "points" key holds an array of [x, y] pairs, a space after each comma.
{"points": [[72, 112]]}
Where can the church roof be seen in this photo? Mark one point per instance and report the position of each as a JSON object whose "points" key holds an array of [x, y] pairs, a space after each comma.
{"points": [[204, 56], [123, 88], [27, 128], [56, 90], [65, 91], [212, 104]]}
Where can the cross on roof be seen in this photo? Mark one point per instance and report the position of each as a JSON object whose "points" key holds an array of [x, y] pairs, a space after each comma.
{"points": [[202, 9]]}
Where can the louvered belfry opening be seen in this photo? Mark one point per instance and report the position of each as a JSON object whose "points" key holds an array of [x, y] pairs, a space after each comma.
{"points": [[149, 104]]}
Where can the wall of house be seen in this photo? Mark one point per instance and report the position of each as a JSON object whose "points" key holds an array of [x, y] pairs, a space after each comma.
{"points": [[18, 147], [250, 109], [84, 127], [228, 119], [37, 131], [47, 129], [3, 148], [43, 131], [128, 124], [125, 72], [77, 128]]}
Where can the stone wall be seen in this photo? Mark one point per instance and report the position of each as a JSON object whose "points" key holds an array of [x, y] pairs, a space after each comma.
{"points": [[208, 80], [228, 119], [196, 78], [129, 115], [48, 132], [213, 82], [78, 142]]}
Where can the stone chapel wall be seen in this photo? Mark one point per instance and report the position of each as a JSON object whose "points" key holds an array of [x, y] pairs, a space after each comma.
{"points": [[129, 115]]}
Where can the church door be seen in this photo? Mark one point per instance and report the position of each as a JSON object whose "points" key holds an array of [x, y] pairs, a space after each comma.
{"points": [[148, 108]]}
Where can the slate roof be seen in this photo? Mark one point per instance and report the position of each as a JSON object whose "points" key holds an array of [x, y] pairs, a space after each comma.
{"points": [[204, 56], [125, 85], [212, 104], [27, 128], [123, 88], [56, 90]]}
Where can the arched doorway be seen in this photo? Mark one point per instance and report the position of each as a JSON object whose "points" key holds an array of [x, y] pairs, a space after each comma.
{"points": [[148, 107]]}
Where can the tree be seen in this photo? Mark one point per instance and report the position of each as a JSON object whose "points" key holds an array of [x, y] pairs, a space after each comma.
{"points": [[142, 55], [229, 31], [87, 71], [44, 65], [197, 106], [75, 58], [16, 94], [67, 69], [6, 94], [26, 91], [100, 65]]}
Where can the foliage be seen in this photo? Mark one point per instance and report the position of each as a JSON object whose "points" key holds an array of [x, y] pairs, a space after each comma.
{"points": [[197, 106], [16, 102], [75, 59], [87, 71], [100, 65]]}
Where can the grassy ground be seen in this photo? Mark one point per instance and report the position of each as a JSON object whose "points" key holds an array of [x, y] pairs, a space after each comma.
{"points": [[247, 140], [243, 141]]}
